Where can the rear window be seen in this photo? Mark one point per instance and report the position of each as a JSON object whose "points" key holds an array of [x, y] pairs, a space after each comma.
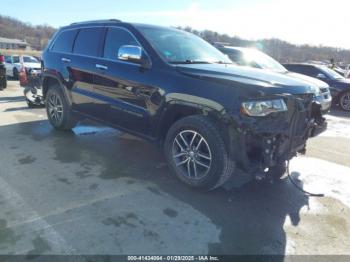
{"points": [[88, 41], [64, 42]]}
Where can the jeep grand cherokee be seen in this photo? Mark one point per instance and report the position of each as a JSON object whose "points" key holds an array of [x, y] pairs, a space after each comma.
{"points": [[214, 119]]}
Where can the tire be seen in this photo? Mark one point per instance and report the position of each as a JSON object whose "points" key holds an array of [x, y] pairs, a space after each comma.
{"points": [[344, 101], [278, 172], [3, 83], [15, 74], [209, 174], [30, 104], [58, 110]]}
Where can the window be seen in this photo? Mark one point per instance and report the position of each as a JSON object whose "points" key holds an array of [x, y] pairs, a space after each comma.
{"points": [[64, 41], [16, 59], [88, 41], [30, 59], [116, 38], [8, 59], [177, 47]]}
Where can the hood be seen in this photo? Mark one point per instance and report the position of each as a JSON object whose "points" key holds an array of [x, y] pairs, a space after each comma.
{"points": [[344, 81], [32, 65], [247, 76], [313, 81]]}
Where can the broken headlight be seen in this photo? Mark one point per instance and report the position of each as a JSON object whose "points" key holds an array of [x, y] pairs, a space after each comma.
{"points": [[263, 108]]}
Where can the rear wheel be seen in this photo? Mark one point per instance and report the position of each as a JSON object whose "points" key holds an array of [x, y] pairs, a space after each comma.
{"points": [[15, 74], [58, 110], [3, 83], [344, 101], [196, 153]]}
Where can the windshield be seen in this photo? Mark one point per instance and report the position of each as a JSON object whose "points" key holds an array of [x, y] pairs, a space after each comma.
{"points": [[331, 73], [177, 46], [30, 59], [258, 59]]}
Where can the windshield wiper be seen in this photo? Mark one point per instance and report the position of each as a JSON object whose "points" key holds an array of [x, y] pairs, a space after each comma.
{"points": [[222, 62], [190, 62]]}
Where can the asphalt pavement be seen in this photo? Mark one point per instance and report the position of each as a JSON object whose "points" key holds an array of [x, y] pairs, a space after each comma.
{"points": [[97, 190]]}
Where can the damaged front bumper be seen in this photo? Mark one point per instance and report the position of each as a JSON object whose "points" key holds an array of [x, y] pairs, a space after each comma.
{"points": [[261, 143]]}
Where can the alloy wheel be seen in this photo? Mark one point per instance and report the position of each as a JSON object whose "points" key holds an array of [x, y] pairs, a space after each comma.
{"points": [[55, 108], [192, 154], [345, 101]]}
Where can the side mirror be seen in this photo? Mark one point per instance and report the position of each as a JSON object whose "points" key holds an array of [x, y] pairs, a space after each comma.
{"points": [[130, 53], [322, 76], [133, 54]]}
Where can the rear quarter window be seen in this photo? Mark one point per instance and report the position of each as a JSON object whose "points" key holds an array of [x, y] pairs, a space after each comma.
{"points": [[64, 41], [88, 41]]}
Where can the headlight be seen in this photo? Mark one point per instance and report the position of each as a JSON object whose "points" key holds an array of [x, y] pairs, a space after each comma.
{"points": [[263, 108]]}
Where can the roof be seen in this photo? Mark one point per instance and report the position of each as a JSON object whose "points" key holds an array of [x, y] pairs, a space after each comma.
{"points": [[12, 41]]}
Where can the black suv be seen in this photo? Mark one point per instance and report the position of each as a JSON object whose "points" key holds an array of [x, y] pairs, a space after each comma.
{"points": [[213, 119], [339, 85]]}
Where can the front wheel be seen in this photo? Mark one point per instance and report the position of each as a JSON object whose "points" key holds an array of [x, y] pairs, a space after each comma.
{"points": [[196, 153], [58, 110], [344, 101]]}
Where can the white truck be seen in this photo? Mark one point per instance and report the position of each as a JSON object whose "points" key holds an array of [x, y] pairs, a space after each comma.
{"points": [[14, 63]]}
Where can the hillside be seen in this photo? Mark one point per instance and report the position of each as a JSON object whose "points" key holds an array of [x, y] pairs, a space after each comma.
{"points": [[279, 49], [36, 36]]}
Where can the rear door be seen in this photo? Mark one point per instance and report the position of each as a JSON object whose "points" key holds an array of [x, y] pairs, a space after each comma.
{"points": [[121, 93], [86, 49]]}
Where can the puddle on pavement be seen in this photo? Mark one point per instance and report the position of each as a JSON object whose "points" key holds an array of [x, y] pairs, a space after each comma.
{"points": [[89, 130]]}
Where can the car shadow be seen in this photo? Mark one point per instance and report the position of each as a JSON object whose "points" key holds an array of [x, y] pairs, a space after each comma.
{"points": [[12, 99], [339, 113], [251, 218]]}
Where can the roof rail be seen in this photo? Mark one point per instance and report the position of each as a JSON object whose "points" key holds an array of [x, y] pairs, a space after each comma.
{"points": [[97, 21]]}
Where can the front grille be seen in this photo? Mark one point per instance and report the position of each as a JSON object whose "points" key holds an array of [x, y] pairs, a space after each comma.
{"points": [[324, 90]]}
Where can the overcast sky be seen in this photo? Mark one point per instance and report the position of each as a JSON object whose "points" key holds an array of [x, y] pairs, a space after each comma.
{"points": [[322, 22]]}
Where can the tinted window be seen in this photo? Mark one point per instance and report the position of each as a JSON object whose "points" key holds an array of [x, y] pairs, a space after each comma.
{"points": [[116, 38], [8, 59], [88, 41], [16, 59], [64, 41]]}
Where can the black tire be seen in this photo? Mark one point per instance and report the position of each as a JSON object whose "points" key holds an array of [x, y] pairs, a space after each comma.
{"points": [[15, 74], [3, 83], [66, 121], [30, 104], [342, 97], [221, 165], [279, 172]]}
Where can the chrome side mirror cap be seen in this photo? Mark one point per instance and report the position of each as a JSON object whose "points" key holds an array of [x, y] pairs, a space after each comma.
{"points": [[130, 53]]}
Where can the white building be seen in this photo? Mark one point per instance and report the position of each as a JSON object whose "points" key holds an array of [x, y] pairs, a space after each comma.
{"points": [[6, 43]]}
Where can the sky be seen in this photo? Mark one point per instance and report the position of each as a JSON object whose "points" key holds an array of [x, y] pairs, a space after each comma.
{"points": [[323, 22]]}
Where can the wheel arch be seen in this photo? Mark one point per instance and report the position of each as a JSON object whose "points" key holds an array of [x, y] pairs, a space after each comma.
{"points": [[51, 80], [176, 110]]}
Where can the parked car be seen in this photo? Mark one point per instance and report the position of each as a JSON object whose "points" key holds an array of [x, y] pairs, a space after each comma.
{"points": [[339, 86], [3, 81], [347, 71], [15, 63], [214, 119], [257, 59]]}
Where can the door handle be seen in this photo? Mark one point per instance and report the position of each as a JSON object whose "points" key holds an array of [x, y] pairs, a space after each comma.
{"points": [[65, 60], [102, 67]]}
